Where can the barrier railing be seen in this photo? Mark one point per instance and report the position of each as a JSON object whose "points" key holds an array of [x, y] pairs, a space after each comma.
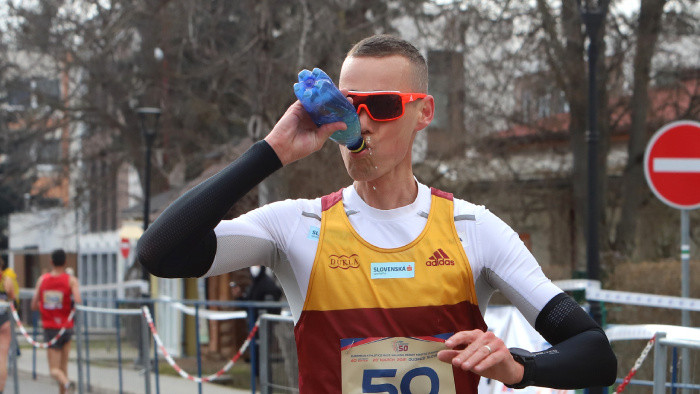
{"points": [[661, 360], [278, 355], [666, 336], [13, 349], [278, 371], [82, 337], [101, 344]]}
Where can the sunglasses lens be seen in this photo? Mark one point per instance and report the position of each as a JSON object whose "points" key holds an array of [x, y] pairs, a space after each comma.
{"points": [[385, 106], [382, 106]]}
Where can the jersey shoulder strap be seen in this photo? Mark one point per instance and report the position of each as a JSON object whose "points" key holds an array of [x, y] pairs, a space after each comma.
{"points": [[440, 193], [329, 200]]}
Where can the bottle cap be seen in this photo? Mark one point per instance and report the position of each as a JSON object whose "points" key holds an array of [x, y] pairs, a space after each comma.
{"points": [[359, 146]]}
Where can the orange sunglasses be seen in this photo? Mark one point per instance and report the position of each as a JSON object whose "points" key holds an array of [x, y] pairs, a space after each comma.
{"points": [[383, 106]]}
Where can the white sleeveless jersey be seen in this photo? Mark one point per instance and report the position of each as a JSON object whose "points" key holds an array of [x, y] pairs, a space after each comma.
{"points": [[284, 236]]}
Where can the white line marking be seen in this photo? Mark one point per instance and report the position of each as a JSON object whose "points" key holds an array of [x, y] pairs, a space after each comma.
{"points": [[676, 165]]}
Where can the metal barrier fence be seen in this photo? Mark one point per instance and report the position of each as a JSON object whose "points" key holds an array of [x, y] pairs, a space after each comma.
{"points": [[278, 355], [127, 342], [99, 350], [660, 339], [278, 366], [12, 351], [128, 338], [661, 361]]}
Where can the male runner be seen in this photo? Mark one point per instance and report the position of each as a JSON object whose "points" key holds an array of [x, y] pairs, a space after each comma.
{"points": [[55, 293], [380, 273]]}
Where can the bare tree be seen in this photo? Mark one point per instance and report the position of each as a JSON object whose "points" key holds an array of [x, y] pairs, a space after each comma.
{"points": [[516, 54], [219, 70]]}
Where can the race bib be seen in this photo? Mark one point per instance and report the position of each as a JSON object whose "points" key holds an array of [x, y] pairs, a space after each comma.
{"points": [[53, 299], [395, 365]]}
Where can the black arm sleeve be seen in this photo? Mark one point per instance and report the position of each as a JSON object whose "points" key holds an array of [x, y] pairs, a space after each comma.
{"points": [[181, 241], [581, 355]]}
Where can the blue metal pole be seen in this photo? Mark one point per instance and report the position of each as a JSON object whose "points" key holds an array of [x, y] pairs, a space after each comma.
{"points": [[253, 351], [119, 345], [155, 349], [35, 322], [199, 350], [87, 349], [674, 369]]}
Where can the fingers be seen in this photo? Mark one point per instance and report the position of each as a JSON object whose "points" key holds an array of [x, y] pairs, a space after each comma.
{"points": [[446, 356], [463, 338], [326, 130], [483, 351], [345, 93], [475, 355]]}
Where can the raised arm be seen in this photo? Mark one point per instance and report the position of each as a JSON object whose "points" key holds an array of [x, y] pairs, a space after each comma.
{"points": [[181, 241]]}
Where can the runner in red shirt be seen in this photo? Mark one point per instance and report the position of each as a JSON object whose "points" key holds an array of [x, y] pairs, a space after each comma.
{"points": [[56, 291]]}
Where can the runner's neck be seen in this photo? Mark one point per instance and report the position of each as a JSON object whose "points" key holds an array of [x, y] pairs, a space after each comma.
{"points": [[389, 194], [56, 271]]}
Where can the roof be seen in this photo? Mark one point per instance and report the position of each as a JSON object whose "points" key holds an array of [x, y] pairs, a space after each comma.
{"points": [[667, 104]]}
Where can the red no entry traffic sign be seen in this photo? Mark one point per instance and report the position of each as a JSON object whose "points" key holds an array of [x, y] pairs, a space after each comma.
{"points": [[125, 247], [672, 164]]}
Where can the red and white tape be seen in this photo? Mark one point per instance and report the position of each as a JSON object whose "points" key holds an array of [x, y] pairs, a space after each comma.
{"points": [[183, 373], [637, 365], [29, 338]]}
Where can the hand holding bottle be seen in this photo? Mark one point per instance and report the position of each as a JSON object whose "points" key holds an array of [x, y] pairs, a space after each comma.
{"points": [[296, 136], [326, 104]]}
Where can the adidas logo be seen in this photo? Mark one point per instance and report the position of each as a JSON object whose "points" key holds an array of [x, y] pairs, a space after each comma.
{"points": [[439, 257]]}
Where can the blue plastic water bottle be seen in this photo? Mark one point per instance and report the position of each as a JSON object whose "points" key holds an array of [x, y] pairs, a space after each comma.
{"points": [[324, 102]]}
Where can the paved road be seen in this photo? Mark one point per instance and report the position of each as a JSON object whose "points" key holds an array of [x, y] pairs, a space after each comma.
{"points": [[42, 384], [103, 380]]}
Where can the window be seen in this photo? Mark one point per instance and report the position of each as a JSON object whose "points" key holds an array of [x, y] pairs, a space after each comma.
{"points": [[26, 93], [19, 93], [49, 151], [47, 91]]}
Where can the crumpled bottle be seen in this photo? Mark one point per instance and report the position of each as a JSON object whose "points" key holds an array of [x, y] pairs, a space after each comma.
{"points": [[326, 104]]}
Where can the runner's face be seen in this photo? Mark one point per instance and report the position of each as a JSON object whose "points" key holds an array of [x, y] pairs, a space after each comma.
{"points": [[389, 143]]}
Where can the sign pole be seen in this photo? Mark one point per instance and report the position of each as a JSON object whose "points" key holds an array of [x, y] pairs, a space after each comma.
{"points": [[685, 262], [672, 170], [685, 291]]}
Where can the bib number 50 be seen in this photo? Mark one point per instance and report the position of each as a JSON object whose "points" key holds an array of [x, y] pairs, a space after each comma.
{"points": [[404, 386]]}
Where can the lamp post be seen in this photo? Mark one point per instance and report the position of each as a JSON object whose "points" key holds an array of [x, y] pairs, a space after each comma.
{"points": [[593, 15], [148, 119]]}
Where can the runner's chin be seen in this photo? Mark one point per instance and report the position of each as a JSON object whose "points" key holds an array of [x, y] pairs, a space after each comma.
{"points": [[359, 166]]}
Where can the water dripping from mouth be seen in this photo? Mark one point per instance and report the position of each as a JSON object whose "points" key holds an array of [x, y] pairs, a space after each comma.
{"points": [[368, 144]]}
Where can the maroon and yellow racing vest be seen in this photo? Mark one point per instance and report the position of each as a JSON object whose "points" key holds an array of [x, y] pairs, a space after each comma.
{"points": [[374, 318]]}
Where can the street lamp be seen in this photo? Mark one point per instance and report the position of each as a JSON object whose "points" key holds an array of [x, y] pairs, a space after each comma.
{"points": [[148, 119], [593, 14]]}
